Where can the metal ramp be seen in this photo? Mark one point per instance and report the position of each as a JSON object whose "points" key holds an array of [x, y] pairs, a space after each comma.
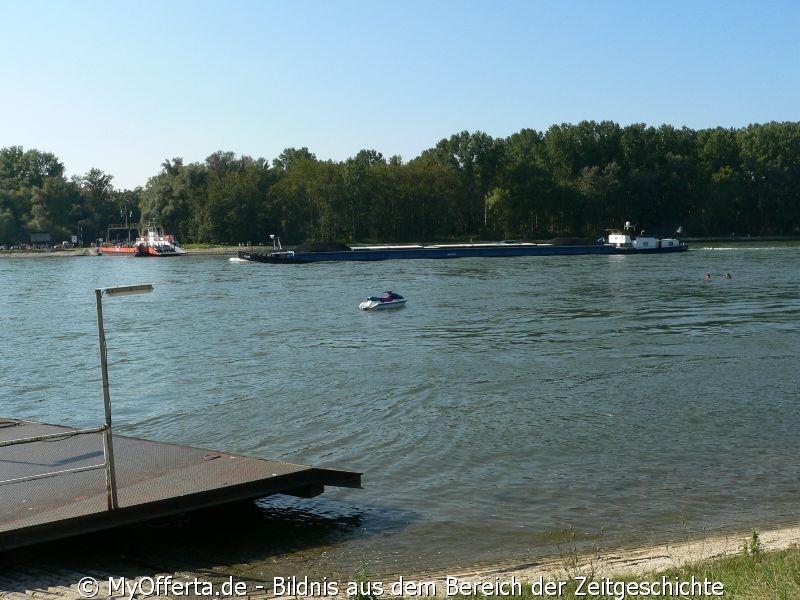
{"points": [[56, 487]]}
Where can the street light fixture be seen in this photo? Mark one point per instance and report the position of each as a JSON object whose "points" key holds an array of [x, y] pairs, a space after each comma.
{"points": [[127, 290], [108, 446]]}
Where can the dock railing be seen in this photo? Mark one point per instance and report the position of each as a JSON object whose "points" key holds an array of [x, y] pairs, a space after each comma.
{"points": [[105, 429]]}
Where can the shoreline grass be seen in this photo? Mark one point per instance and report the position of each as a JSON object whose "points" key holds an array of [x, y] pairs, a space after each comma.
{"points": [[766, 575], [753, 573], [751, 569]]}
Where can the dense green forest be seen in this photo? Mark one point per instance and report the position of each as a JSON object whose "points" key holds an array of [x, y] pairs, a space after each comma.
{"points": [[570, 180]]}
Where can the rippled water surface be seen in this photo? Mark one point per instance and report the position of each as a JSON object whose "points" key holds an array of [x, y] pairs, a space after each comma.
{"points": [[512, 404]]}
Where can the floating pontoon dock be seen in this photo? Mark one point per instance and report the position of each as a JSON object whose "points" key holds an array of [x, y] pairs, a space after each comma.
{"points": [[53, 485]]}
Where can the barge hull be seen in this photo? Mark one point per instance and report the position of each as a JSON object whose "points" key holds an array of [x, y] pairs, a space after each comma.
{"points": [[444, 252]]}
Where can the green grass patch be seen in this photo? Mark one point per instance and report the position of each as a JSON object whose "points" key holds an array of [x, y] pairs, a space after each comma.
{"points": [[752, 574]]}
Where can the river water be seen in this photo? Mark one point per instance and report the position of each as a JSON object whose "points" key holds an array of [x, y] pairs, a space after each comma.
{"points": [[513, 407]]}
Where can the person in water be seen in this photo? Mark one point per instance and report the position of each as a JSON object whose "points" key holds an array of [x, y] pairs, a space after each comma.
{"points": [[728, 276], [707, 276]]}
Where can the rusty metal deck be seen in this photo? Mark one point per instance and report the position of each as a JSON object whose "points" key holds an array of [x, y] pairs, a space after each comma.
{"points": [[154, 479]]}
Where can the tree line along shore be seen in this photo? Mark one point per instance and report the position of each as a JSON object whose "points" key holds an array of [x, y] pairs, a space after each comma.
{"points": [[571, 180]]}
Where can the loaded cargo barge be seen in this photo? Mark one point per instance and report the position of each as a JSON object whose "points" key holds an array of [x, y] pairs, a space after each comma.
{"points": [[616, 242]]}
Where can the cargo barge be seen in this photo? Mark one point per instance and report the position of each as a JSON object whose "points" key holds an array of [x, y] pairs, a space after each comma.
{"points": [[615, 242]]}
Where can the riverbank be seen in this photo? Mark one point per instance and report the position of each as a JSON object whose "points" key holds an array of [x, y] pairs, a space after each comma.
{"points": [[72, 252], [680, 561], [646, 560], [232, 250]]}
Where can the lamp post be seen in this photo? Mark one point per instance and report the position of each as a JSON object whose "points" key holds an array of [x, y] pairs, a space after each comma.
{"points": [[108, 445]]}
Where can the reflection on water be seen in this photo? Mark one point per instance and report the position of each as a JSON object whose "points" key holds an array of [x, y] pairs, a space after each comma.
{"points": [[623, 400]]}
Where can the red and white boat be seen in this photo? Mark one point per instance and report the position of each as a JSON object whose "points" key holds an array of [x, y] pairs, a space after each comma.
{"points": [[153, 242]]}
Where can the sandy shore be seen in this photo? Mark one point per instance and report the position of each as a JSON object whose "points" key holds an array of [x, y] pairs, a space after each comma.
{"points": [[650, 559], [50, 581]]}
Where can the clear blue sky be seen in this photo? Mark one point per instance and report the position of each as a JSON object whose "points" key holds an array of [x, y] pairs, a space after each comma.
{"points": [[122, 85]]}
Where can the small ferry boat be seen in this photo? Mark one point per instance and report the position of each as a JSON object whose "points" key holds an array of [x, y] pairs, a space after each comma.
{"points": [[387, 300], [152, 242]]}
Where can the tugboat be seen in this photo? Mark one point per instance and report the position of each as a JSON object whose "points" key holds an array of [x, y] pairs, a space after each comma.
{"points": [[626, 239]]}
